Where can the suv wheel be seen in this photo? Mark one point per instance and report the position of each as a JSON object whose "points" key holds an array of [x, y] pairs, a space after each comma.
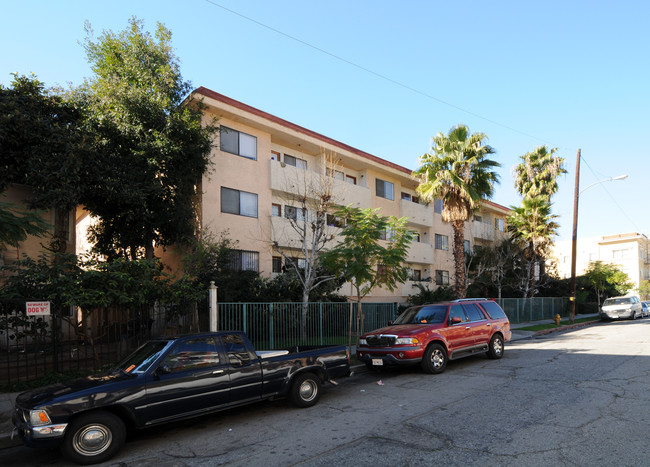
{"points": [[495, 349], [434, 360]]}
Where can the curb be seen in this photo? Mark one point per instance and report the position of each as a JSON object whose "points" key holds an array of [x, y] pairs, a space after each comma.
{"points": [[565, 328]]}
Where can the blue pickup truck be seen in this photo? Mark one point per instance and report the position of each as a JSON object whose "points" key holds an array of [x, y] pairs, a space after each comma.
{"points": [[166, 380]]}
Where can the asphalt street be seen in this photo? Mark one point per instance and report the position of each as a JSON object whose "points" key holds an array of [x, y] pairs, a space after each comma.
{"points": [[572, 398]]}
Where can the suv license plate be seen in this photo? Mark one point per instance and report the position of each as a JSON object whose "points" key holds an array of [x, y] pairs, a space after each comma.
{"points": [[377, 362]]}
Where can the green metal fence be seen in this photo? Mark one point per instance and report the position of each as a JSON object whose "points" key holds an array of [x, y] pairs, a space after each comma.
{"points": [[280, 325], [522, 310]]}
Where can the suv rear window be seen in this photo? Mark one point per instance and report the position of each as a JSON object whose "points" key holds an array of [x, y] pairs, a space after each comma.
{"points": [[618, 301], [493, 309]]}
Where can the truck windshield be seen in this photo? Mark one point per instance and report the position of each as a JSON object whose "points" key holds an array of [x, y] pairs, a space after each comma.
{"points": [[423, 315], [140, 360]]}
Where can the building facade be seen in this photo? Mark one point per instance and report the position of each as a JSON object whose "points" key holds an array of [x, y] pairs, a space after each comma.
{"points": [[264, 167], [630, 251]]}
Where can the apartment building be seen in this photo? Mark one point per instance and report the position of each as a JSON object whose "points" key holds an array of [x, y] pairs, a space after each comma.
{"points": [[263, 166], [630, 251]]}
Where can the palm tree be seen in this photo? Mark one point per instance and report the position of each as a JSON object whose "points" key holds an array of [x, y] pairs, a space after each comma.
{"points": [[532, 226], [537, 173], [457, 171]]}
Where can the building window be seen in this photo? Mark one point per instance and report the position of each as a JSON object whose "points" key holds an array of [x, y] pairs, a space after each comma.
{"points": [[467, 247], [498, 224], [277, 264], [416, 237], [242, 260], [478, 218], [406, 196], [275, 156], [442, 242], [296, 214], [276, 210], [442, 277], [236, 142], [385, 189], [238, 202], [334, 221], [296, 162], [336, 174], [437, 206], [351, 180], [416, 275]]}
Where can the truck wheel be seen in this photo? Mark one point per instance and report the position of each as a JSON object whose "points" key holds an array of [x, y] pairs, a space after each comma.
{"points": [[434, 360], [93, 437], [305, 390], [495, 349]]}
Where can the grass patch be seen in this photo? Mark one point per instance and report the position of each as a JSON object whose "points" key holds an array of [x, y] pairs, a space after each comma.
{"points": [[564, 322]]}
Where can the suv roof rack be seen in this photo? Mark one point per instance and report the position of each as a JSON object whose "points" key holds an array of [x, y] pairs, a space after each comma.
{"points": [[470, 299]]}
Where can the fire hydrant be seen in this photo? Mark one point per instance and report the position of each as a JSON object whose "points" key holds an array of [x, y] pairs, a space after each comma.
{"points": [[557, 319]]}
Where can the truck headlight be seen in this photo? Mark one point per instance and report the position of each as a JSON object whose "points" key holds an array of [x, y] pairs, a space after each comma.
{"points": [[406, 340], [363, 342], [39, 418]]}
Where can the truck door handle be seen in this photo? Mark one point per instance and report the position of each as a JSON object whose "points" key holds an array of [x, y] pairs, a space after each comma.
{"points": [[217, 372], [466, 327]]}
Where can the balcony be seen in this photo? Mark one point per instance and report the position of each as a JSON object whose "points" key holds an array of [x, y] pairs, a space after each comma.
{"points": [[420, 253], [483, 231], [418, 214]]}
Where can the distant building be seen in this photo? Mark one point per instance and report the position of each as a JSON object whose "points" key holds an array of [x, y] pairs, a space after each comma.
{"points": [[630, 251]]}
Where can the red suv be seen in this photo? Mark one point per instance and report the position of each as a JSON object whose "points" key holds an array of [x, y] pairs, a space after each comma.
{"points": [[433, 334]]}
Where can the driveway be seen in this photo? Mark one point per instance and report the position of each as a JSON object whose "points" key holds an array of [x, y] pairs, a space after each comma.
{"points": [[573, 398]]}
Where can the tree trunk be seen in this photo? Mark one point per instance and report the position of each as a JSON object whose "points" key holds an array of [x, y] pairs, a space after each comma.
{"points": [[459, 259]]}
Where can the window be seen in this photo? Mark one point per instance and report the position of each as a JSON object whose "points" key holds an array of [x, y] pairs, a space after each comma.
{"points": [[442, 242], [238, 354], [299, 262], [334, 221], [467, 247], [236, 142], [406, 196], [277, 264], [275, 156], [276, 210], [296, 162], [192, 354], [238, 202], [442, 277], [385, 189], [457, 312], [296, 214], [337, 174], [416, 237], [351, 180], [243, 260], [498, 224], [478, 218], [493, 310], [473, 312], [416, 275], [437, 205]]}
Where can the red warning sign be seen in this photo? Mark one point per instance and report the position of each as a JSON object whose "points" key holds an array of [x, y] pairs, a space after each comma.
{"points": [[38, 308]]}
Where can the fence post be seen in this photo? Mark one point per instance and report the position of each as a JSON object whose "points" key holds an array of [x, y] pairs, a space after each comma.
{"points": [[271, 326], [320, 320], [214, 314]]}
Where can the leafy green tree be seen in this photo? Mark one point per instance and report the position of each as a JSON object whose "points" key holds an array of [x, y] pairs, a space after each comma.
{"points": [[426, 295], [16, 225], [150, 148], [42, 145], [644, 289], [457, 171], [363, 259], [607, 279]]}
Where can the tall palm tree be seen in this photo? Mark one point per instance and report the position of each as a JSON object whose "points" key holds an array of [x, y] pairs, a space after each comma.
{"points": [[532, 226], [538, 172], [457, 171]]}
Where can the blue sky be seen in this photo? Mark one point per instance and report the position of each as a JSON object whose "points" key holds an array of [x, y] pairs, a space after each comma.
{"points": [[386, 77]]}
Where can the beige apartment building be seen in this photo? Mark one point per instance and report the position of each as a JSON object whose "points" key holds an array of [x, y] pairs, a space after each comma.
{"points": [[630, 251], [263, 165]]}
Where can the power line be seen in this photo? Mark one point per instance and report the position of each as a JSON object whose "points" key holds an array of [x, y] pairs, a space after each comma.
{"points": [[374, 73]]}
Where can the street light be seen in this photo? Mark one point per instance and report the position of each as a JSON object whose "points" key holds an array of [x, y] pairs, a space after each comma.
{"points": [[574, 238]]}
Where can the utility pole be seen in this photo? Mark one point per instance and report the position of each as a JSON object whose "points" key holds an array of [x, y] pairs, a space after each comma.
{"points": [[574, 241]]}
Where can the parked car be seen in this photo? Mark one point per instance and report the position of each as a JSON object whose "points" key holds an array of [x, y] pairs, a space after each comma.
{"points": [[621, 307], [646, 309], [167, 380], [430, 335]]}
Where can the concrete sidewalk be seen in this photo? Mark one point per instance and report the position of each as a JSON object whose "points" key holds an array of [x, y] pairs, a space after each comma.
{"points": [[7, 399]]}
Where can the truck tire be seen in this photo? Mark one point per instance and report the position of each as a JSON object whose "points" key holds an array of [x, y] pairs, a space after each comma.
{"points": [[305, 390], [93, 437], [495, 347], [434, 360]]}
